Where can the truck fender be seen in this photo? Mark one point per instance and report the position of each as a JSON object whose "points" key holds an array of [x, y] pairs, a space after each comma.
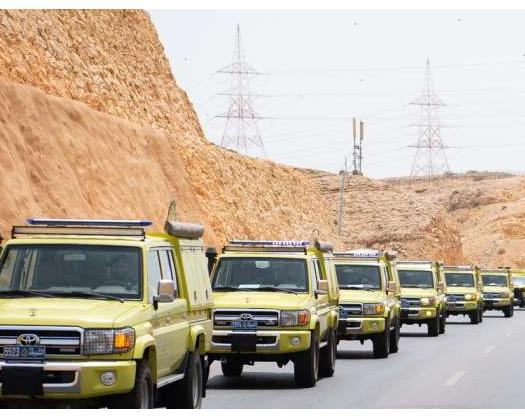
{"points": [[195, 334], [333, 318], [314, 320], [142, 343]]}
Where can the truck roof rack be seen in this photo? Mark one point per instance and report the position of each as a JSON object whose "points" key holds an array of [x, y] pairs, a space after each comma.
{"points": [[267, 246], [417, 262], [71, 227], [366, 254], [460, 267]]}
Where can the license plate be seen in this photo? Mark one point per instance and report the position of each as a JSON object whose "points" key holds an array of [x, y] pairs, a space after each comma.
{"points": [[24, 352], [244, 324]]}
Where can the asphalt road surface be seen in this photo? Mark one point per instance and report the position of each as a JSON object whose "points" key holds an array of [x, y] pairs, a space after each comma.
{"points": [[471, 366]]}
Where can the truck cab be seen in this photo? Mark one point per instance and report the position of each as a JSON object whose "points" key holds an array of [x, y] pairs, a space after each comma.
{"points": [[101, 313], [276, 302], [498, 292], [464, 292], [518, 282], [422, 295], [369, 299]]}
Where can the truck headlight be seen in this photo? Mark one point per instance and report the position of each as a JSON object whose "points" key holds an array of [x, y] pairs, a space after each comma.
{"points": [[108, 341], [295, 318], [428, 301], [470, 297], [369, 309]]}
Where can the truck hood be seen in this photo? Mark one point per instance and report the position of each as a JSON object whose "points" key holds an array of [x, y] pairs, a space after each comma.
{"points": [[495, 289], [461, 290], [350, 296], [69, 312], [418, 292], [262, 299]]}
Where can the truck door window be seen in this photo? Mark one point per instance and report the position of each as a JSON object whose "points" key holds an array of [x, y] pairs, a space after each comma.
{"points": [[154, 272], [167, 266]]}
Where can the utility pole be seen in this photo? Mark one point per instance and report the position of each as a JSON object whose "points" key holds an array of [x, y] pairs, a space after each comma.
{"points": [[357, 149], [241, 129], [342, 174], [430, 159]]}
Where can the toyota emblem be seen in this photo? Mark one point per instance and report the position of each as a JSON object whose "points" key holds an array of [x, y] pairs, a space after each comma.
{"points": [[28, 339], [246, 316]]}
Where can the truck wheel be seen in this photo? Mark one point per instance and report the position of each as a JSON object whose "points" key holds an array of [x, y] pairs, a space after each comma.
{"points": [[306, 364], [442, 322], [508, 311], [433, 326], [381, 343], [142, 396], [394, 338], [474, 317], [481, 315], [327, 356], [231, 368], [187, 393]]}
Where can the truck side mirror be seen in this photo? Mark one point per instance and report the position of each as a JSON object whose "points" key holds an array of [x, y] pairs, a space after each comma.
{"points": [[322, 286], [165, 293], [441, 287], [391, 286]]}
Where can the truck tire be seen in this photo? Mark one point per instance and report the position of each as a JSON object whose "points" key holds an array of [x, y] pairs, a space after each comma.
{"points": [[187, 393], [394, 337], [474, 317], [381, 343], [231, 368], [508, 311], [433, 326], [328, 355], [306, 364], [142, 396], [481, 315], [442, 322]]}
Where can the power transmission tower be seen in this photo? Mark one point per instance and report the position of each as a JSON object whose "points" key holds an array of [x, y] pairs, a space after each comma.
{"points": [[430, 159], [241, 130], [357, 150]]}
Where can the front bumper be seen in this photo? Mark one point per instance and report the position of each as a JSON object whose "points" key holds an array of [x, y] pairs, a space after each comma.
{"points": [[458, 307], [77, 380], [358, 326], [265, 341], [418, 313], [497, 303]]}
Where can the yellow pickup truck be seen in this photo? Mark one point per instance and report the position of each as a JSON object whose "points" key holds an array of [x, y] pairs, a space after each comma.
{"points": [[498, 292], [422, 295], [464, 292], [518, 282], [99, 313], [275, 301], [369, 299]]}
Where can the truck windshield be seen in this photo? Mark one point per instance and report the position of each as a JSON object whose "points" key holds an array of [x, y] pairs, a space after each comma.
{"points": [[518, 280], [494, 280], [358, 277], [72, 271], [261, 274], [416, 279], [459, 279]]}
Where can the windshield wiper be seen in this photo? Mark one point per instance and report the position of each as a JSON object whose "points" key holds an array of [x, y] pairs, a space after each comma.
{"points": [[87, 294], [226, 288], [26, 293], [358, 287], [276, 289]]}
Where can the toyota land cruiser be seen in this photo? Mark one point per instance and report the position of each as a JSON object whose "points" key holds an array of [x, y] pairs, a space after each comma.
{"points": [[518, 282], [100, 313], [275, 301], [497, 290], [369, 299], [422, 295], [464, 292]]}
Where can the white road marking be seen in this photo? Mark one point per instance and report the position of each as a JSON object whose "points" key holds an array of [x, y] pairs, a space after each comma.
{"points": [[455, 378], [488, 349], [509, 333]]}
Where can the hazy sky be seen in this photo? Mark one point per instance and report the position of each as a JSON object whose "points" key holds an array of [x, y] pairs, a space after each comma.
{"points": [[324, 67]]}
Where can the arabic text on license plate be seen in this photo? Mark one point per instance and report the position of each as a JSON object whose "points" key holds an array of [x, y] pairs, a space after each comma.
{"points": [[244, 324], [24, 352]]}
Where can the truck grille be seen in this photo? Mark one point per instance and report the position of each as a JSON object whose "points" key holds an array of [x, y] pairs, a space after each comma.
{"points": [[452, 298], [58, 341], [224, 318], [355, 309], [410, 302], [491, 295]]}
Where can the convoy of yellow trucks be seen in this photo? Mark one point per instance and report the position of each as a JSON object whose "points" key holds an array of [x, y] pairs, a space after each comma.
{"points": [[102, 313]]}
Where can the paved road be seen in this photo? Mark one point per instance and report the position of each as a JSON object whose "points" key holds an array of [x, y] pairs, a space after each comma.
{"points": [[471, 366]]}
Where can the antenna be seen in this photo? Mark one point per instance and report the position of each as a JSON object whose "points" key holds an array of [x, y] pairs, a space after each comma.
{"points": [[430, 159], [241, 129]]}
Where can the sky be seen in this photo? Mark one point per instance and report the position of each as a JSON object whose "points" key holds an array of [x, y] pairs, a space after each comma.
{"points": [[322, 68]]}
